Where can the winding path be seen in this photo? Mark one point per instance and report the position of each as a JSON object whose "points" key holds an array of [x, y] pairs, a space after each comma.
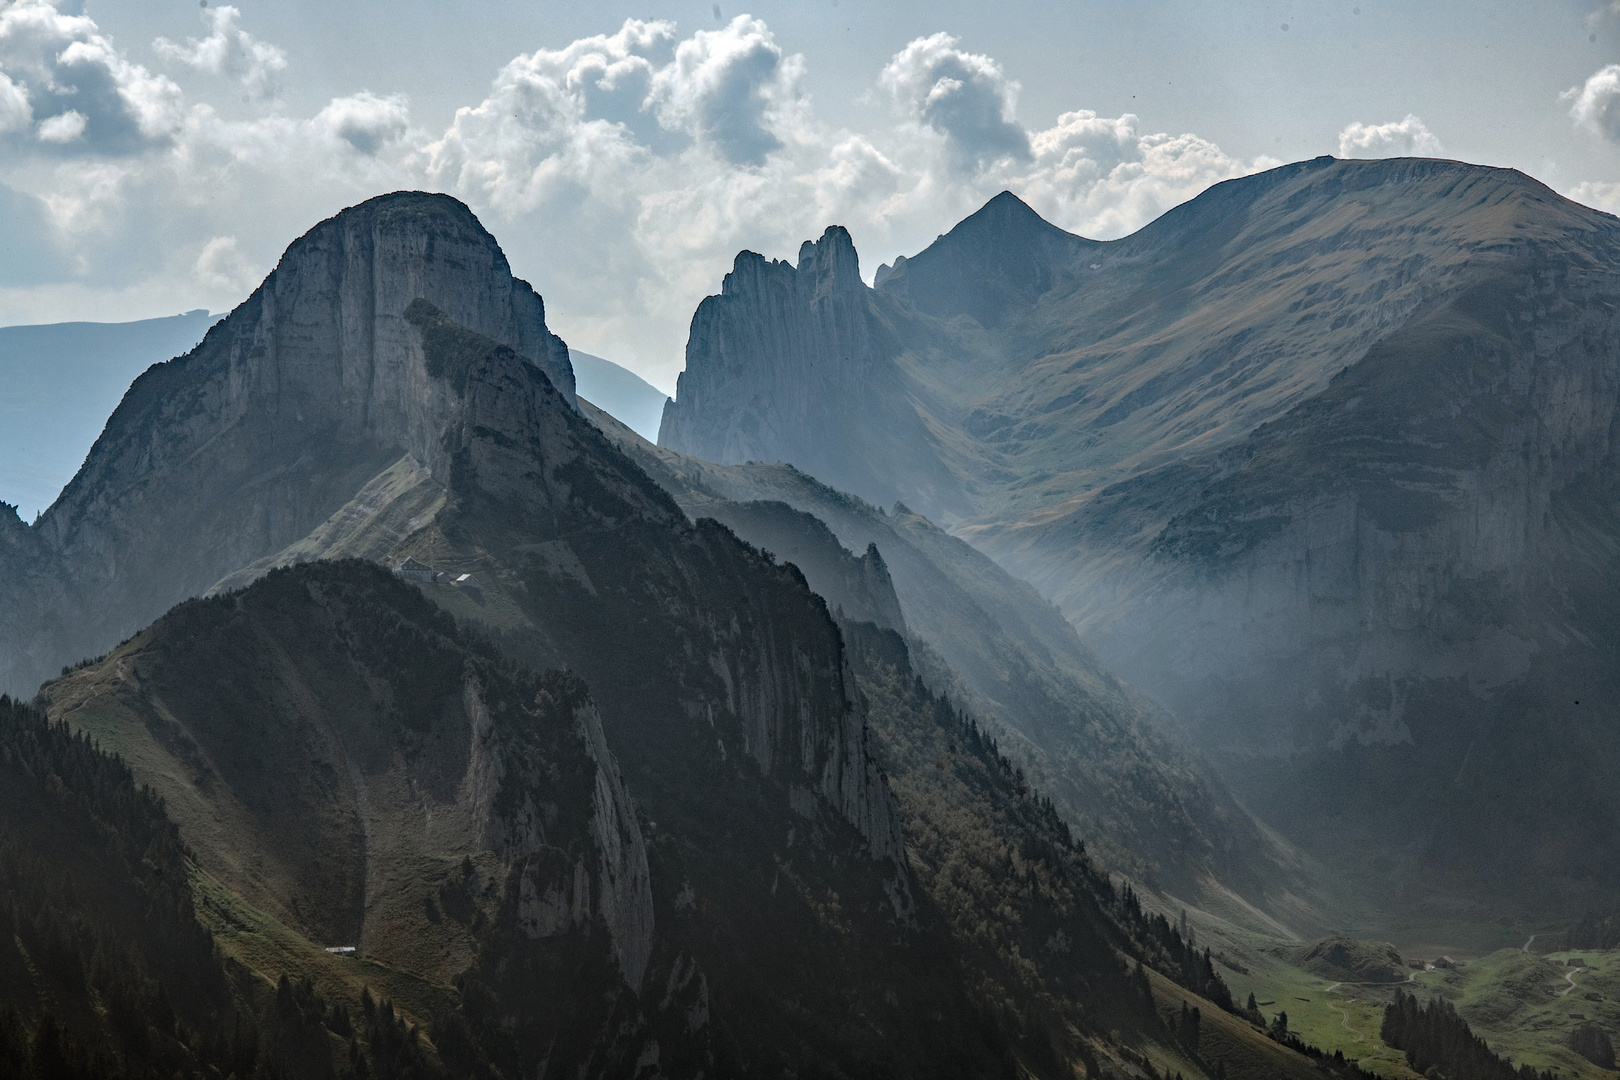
{"points": [[1569, 977]]}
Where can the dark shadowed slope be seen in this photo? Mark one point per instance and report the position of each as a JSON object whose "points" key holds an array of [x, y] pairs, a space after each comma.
{"points": [[991, 643]]}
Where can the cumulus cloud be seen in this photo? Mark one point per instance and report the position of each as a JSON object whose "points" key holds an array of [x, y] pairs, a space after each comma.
{"points": [[230, 51], [1104, 177], [1407, 137], [63, 65], [730, 88], [364, 122], [554, 116], [1598, 194], [1595, 104], [962, 96], [63, 128], [220, 266]]}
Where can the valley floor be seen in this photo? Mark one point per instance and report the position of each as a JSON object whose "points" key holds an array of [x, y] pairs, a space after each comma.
{"points": [[1523, 1002]]}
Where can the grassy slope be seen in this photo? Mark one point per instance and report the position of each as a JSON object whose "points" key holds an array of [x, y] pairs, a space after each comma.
{"points": [[1510, 998], [270, 949]]}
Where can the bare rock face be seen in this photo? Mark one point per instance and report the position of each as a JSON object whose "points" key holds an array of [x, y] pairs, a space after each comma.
{"points": [[286, 409], [799, 364]]}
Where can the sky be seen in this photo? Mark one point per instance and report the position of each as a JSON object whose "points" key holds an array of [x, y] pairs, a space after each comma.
{"points": [[158, 155]]}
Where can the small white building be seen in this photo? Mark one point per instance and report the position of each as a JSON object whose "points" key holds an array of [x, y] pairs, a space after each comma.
{"points": [[343, 950], [411, 570]]}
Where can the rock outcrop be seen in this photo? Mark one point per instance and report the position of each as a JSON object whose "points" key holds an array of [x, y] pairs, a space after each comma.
{"points": [[801, 364]]}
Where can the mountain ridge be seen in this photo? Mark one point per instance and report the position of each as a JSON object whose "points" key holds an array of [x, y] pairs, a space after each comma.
{"points": [[1317, 459]]}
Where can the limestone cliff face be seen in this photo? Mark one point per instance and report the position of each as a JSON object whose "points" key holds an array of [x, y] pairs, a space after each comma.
{"points": [[773, 671], [519, 811], [800, 364], [286, 409]]}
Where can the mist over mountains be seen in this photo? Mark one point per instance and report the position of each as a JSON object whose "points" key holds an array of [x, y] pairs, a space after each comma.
{"points": [[1316, 459]]}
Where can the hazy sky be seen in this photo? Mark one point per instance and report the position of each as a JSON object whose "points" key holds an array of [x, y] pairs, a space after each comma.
{"points": [[157, 156]]}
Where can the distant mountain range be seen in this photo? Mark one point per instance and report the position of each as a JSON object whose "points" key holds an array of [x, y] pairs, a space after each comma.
{"points": [[62, 381], [619, 392], [1321, 459]]}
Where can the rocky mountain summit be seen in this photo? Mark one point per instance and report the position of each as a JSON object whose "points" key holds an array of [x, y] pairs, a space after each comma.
{"points": [[801, 363], [1320, 459], [246, 443]]}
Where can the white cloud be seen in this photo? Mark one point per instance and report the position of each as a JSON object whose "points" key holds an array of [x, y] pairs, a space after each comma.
{"points": [[555, 117], [1598, 194], [1595, 18], [963, 96], [365, 122], [15, 111], [63, 128], [730, 88], [1104, 178], [63, 64], [227, 50], [1407, 137], [1595, 105], [221, 267]]}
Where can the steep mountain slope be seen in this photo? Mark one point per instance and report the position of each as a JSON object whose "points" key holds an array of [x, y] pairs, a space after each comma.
{"points": [[62, 380], [244, 444], [986, 640], [1404, 585], [97, 929], [339, 752], [343, 756], [1320, 459]]}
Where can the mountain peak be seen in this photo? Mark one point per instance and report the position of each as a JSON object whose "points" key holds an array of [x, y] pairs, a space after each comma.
{"points": [[321, 355], [832, 260], [1002, 255]]}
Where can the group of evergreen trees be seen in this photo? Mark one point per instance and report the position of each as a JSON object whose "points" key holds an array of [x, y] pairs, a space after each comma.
{"points": [[1435, 1037], [1595, 931], [1173, 954]]}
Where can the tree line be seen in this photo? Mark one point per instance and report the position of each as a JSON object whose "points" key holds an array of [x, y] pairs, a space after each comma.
{"points": [[1435, 1037]]}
